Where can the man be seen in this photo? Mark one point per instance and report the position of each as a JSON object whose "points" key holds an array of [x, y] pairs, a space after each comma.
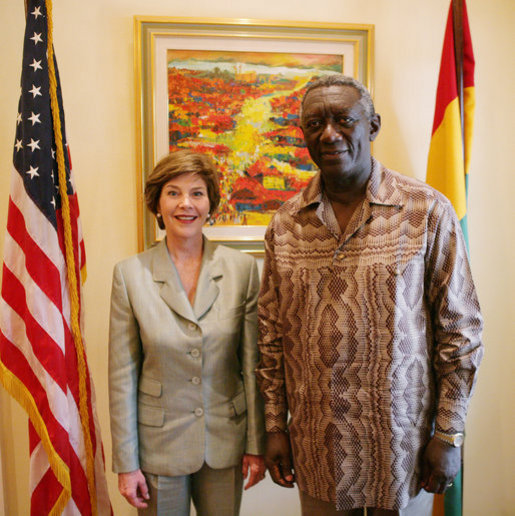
{"points": [[370, 331]]}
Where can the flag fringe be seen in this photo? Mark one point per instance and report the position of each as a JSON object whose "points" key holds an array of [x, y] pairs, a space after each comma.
{"points": [[71, 268], [17, 389]]}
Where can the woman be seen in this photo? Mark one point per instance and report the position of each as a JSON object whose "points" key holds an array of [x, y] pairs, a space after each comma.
{"points": [[186, 417]]}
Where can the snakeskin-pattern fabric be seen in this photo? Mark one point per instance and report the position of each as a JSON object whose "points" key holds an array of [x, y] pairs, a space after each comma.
{"points": [[368, 338]]}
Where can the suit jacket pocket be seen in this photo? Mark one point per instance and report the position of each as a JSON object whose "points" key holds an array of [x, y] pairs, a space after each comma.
{"points": [[238, 405], [150, 386], [151, 416]]}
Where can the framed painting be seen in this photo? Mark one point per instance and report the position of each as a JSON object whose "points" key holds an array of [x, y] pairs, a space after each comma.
{"points": [[231, 88]]}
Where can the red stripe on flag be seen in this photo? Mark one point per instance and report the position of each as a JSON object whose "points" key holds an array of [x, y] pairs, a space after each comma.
{"points": [[73, 382], [468, 52], [48, 488], [447, 89], [79, 257], [74, 217], [45, 495], [80, 492], [46, 351], [37, 263]]}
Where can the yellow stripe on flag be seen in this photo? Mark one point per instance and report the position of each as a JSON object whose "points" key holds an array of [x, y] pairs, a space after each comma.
{"points": [[469, 105], [445, 169]]}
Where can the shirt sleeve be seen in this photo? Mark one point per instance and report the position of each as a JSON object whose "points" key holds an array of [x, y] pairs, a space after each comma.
{"points": [[270, 371], [125, 357], [455, 316]]}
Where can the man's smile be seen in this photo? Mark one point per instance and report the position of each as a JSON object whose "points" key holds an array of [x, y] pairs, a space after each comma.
{"points": [[333, 153]]}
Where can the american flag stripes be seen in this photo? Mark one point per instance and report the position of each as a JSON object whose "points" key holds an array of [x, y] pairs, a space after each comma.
{"points": [[42, 359]]}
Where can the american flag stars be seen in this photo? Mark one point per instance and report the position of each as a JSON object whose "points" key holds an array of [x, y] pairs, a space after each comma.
{"points": [[33, 171], [34, 155], [35, 91], [36, 65], [35, 114], [36, 12], [34, 118], [33, 145], [37, 38]]}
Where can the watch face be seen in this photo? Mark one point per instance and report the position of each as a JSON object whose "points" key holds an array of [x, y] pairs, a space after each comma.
{"points": [[458, 439]]}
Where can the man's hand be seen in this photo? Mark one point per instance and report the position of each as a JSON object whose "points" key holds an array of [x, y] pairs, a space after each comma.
{"points": [[253, 466], [133, 487], [440, 464], [278, 458]]}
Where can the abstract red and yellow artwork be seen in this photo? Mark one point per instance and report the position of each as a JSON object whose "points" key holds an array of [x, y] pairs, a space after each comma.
{"points": [[242, 109]]}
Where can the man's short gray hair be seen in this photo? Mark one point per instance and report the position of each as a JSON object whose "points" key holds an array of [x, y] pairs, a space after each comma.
{"points": [[342, 80]]}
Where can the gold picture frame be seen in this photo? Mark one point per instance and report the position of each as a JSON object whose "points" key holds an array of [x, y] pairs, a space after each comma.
{"points": [[158, 38]]}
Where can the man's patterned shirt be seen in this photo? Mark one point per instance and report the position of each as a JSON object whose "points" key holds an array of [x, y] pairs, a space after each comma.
{"points": [[368, 338]]}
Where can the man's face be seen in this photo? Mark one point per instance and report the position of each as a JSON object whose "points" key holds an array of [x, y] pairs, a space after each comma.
{"points": [[338, 132]]}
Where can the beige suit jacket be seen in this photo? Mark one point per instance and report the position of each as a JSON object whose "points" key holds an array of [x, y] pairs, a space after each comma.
{"points": [[182, 388]]}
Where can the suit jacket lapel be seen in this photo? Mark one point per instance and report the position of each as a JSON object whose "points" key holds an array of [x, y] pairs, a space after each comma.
{"points": [[172, 291], [207, 287]]}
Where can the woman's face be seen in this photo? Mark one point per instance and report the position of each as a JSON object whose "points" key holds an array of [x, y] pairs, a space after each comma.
{"points": [[184, 206]]}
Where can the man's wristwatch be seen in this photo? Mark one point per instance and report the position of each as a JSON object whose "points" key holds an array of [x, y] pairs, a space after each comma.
{"points": [[455, 440]]}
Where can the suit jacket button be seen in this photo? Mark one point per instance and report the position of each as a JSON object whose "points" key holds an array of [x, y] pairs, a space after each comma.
{"points": [[195, 353], [198, 411], [195, 380]]}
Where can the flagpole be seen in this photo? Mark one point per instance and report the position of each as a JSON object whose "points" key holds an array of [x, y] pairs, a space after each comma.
{"points": [[457, 20]]}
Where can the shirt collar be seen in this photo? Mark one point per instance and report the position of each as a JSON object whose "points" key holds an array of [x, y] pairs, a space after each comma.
{"points": [[382, 186], [381, 189], [312, 194]]}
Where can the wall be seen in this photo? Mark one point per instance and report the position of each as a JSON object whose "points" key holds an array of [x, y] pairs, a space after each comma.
{"points": [[93, 42]]}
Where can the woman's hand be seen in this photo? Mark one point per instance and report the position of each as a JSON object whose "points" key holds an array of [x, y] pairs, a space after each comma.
{"points": [[254, 467], [133, 488]]}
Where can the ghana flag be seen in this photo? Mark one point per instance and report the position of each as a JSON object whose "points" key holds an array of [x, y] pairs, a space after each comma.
{"points": [[449, 152], [449, 156]]}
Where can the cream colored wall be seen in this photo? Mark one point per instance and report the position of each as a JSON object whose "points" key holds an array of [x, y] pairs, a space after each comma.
{"points": [[93, 42]]}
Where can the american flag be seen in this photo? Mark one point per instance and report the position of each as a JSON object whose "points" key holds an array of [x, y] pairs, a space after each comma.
{"points": [[42, 358]]}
